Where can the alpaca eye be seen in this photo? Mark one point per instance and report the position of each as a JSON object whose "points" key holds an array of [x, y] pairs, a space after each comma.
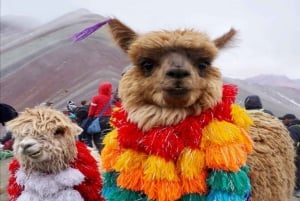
{"points": [[147, 65], [59, 131], [203, 65]]}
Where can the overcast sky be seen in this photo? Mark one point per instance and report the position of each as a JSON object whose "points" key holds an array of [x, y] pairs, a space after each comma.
{"points": [[269, 30]]}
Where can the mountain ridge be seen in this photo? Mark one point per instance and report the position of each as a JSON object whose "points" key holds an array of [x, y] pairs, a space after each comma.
{"points": [[45, 65], [274, 80]]}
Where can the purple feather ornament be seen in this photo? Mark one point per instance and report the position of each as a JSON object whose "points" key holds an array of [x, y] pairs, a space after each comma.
{"points": [[88, 31]]}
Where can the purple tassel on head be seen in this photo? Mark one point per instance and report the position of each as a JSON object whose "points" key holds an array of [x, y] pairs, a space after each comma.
{"points": [[88, 31]]}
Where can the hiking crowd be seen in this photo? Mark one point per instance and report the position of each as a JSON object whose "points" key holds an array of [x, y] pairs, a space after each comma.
{"points": [[101, 106]]}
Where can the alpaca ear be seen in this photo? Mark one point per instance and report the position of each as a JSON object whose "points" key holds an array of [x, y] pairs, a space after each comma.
{"points": [[76, 130], [122, 34], [225, 39]]}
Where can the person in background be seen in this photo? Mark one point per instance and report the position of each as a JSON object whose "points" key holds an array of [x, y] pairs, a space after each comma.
{"points": [[71, 107], [253, 102], [81, 113], [99, 102], [7, 113], [287, 119], [293, 125]]}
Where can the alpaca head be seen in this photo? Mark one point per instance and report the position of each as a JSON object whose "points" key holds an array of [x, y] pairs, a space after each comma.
{"points": [[172, 74], [44, 140]]}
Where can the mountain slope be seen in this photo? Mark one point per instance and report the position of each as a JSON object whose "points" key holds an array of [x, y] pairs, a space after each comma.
{"points": [[45, 65], [278, 99], [274, 80]]}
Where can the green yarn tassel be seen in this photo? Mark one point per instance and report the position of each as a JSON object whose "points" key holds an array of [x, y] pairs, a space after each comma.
{"points": [[127, 195], [110, 178], [234, 182], [111, 192], [193, 197]]}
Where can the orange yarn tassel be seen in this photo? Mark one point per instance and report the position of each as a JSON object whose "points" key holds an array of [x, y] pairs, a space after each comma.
{"points": [[131, 180], [247, 141], [162, 190], [195, 185], [109, 156], [227, 157]]}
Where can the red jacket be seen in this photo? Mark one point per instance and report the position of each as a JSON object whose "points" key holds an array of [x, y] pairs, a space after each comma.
{"points": [[99, 101]]}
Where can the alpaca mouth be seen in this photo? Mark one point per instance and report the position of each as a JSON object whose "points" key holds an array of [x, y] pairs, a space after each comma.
{"points": [[176, 96], [35, 154], [177, 91]]}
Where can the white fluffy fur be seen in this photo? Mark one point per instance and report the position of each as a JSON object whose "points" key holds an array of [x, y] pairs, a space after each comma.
{"points": [[50, 187]]}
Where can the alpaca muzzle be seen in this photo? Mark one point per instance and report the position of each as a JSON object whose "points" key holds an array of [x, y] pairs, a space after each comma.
{"points": [[30, 148]]}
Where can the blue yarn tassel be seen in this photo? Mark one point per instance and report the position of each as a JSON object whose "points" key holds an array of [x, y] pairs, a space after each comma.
{"points": [[223, 196]]}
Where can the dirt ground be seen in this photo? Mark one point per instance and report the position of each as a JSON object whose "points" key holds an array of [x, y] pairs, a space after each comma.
{"points": [[4, 176]]}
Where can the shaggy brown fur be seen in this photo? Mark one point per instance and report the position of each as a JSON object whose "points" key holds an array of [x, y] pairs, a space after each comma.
{"points": [[172, 76], [150, 91], [44, 140], [271, 163]]}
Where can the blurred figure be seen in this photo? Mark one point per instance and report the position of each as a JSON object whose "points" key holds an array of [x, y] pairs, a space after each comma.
{"points": [[287, 119], [81, 114], [71, 107], [253, 102], [293, 125], [100, 103], [7, 113]]}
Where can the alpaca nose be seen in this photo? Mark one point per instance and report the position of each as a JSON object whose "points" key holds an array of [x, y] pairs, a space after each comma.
{"points": [[27, 144], [177, 73]]}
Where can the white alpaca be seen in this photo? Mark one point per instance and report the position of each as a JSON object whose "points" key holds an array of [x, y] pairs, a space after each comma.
{"points": [[49, 164]]}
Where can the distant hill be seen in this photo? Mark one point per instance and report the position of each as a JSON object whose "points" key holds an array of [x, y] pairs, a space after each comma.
{"points": [[43, 64], [275, 80], [278, 99]]}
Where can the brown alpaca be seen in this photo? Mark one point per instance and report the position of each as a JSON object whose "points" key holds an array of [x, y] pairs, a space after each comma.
{"points": [[272, 165], [178, 130]]}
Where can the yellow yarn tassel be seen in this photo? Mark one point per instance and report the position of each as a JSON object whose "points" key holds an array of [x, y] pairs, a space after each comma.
{"points": [[129, 160], [111, 139], [158, 168], [162, 190], [111, 151], [190, 162], [222, 132], [240, 117]]}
